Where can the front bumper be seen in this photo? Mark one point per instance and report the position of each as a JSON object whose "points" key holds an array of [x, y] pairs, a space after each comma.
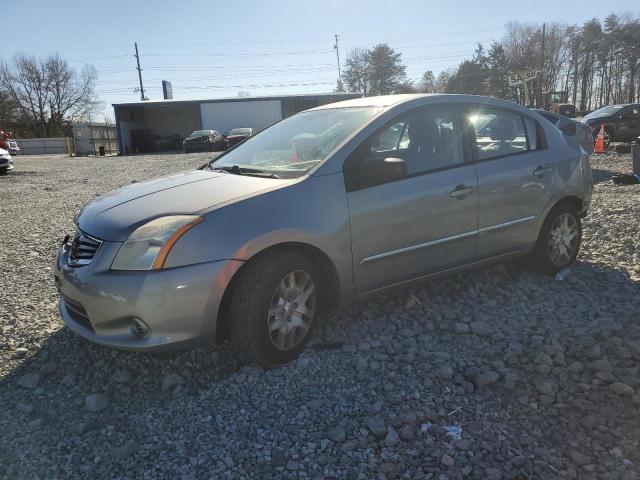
{"points": [[6, 163], [178, 305]]}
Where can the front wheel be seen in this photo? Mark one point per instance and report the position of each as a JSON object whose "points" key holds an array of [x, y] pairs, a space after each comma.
{"points": [[559, 240], [273, 307]]}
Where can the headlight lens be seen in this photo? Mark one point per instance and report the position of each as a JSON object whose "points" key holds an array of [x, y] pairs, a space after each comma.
{"points": [[148, 246]]}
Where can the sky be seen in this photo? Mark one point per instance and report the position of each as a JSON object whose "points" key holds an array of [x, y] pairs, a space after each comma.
{"points": [[212, 49]]}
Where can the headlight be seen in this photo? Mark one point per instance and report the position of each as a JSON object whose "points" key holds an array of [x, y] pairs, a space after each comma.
{"points": [[148, 247]]}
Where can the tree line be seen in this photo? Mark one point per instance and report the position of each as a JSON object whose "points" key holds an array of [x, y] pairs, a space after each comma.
{"points": [[41, 96], [596, 64]]}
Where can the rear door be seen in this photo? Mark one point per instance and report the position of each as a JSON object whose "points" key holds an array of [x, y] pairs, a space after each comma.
{"points": [[423, 222], [515, 178]]}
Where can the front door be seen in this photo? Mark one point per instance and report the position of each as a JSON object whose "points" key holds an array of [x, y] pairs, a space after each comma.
{"points": [[515, 179], [629, 127], [424, 222]]}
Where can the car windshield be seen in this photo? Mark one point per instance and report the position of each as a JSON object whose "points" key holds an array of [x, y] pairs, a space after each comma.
{"points": [[605, 111], [240, 131], [293, 146], [200, 133]]}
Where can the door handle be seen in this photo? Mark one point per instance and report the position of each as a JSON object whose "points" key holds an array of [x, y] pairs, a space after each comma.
{"points": [[460, 191], [541, 171]]}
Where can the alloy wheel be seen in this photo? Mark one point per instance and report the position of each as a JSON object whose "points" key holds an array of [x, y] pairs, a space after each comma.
{"points": [[292, 310], [563, 239]]}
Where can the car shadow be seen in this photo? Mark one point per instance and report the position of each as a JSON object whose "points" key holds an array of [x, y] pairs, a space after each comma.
{"points": [[69, 368]]}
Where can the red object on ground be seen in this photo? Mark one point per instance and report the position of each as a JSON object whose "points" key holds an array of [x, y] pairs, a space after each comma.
{"points": [[600, 146]]}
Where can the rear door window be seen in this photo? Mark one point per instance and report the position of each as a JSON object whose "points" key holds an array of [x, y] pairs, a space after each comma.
{"points": [[499, 133]]}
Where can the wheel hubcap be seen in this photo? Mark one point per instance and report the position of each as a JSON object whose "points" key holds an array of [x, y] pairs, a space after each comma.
{"points": [[292, 310], [563, 239]]}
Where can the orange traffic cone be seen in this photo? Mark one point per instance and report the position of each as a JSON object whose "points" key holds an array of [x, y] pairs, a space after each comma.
{"points": [[600, 147]]}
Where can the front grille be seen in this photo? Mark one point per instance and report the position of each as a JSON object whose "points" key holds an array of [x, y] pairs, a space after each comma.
{"points": [[83, 249], [77, 312]]}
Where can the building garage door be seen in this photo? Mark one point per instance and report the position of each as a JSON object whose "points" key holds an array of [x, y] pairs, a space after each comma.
{"points": [[223, 116]]}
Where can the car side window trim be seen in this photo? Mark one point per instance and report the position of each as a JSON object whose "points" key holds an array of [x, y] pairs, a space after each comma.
{"points": [[467, 146]]}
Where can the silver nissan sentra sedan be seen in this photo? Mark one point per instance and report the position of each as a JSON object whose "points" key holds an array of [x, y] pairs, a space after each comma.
{"points": [[322, 209]]}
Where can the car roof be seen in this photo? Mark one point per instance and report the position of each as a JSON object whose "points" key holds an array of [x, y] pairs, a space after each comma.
{"points": [[389, 101], [379, 101]]}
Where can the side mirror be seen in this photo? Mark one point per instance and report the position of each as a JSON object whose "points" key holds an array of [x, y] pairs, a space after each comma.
{"points": [[376, 171]]}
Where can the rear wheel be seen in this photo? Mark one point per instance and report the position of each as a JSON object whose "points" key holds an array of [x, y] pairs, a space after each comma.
{"points": [[273, 307], [559, 240]]}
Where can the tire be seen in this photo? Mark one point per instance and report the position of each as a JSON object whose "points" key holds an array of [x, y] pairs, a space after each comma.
{"points": [[4, 171], [259, 317], [559, 240]]}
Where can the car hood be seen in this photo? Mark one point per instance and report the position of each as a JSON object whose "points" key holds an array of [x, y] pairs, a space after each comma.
{"points": [[115, 215], [592, 118]]}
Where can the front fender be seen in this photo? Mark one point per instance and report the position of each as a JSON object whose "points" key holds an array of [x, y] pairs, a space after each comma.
{"points": [[313, 212]]}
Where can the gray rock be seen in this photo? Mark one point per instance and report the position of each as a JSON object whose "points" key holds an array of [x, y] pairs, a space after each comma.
{"points": [[48, 368], [460, 327], [444, 372], [463, 444], [485, 379], [493, 473], [590, 422], [96, 402], [622, 389], [546, 387], [447, 460], [578, 458], [30, 380], [408, 433], [542, 358], [377, 427], [122, 376], [171, 380], [392, 439], [481, 328], [125, 450], [24, 407], [20, 352], [336, 434]]}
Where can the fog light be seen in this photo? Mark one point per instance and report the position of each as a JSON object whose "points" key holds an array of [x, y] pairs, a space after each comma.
{"points": [[139, 328]]}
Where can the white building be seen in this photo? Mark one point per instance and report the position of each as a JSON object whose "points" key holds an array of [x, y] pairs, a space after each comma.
{"points": [[94, 138]]}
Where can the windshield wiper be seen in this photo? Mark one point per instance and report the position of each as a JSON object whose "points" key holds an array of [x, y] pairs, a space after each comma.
{"points": [[237, 170]]}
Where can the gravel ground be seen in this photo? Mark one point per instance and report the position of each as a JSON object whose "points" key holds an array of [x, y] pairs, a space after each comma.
{"points": [[497, 373]]}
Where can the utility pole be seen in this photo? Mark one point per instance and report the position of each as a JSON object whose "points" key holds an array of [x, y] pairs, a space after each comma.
{"points": [[540, 92], [139, 72], [338, 57]]}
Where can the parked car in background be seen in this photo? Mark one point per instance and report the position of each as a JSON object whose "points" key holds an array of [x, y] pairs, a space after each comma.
{"points": [[6, 162], [621, 122], [330, 206], [238, 135], [203, 140], [573, 129]]}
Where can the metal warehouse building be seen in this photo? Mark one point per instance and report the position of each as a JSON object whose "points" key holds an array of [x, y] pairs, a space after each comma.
{"points": [[161, 125]]}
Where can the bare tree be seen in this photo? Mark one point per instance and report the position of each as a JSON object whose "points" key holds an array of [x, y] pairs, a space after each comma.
{"points": [[47, 91]]}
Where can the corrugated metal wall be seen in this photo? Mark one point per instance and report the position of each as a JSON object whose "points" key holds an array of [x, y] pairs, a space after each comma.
{"points": [[257, 114], [41, 146], [172, 119]]}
